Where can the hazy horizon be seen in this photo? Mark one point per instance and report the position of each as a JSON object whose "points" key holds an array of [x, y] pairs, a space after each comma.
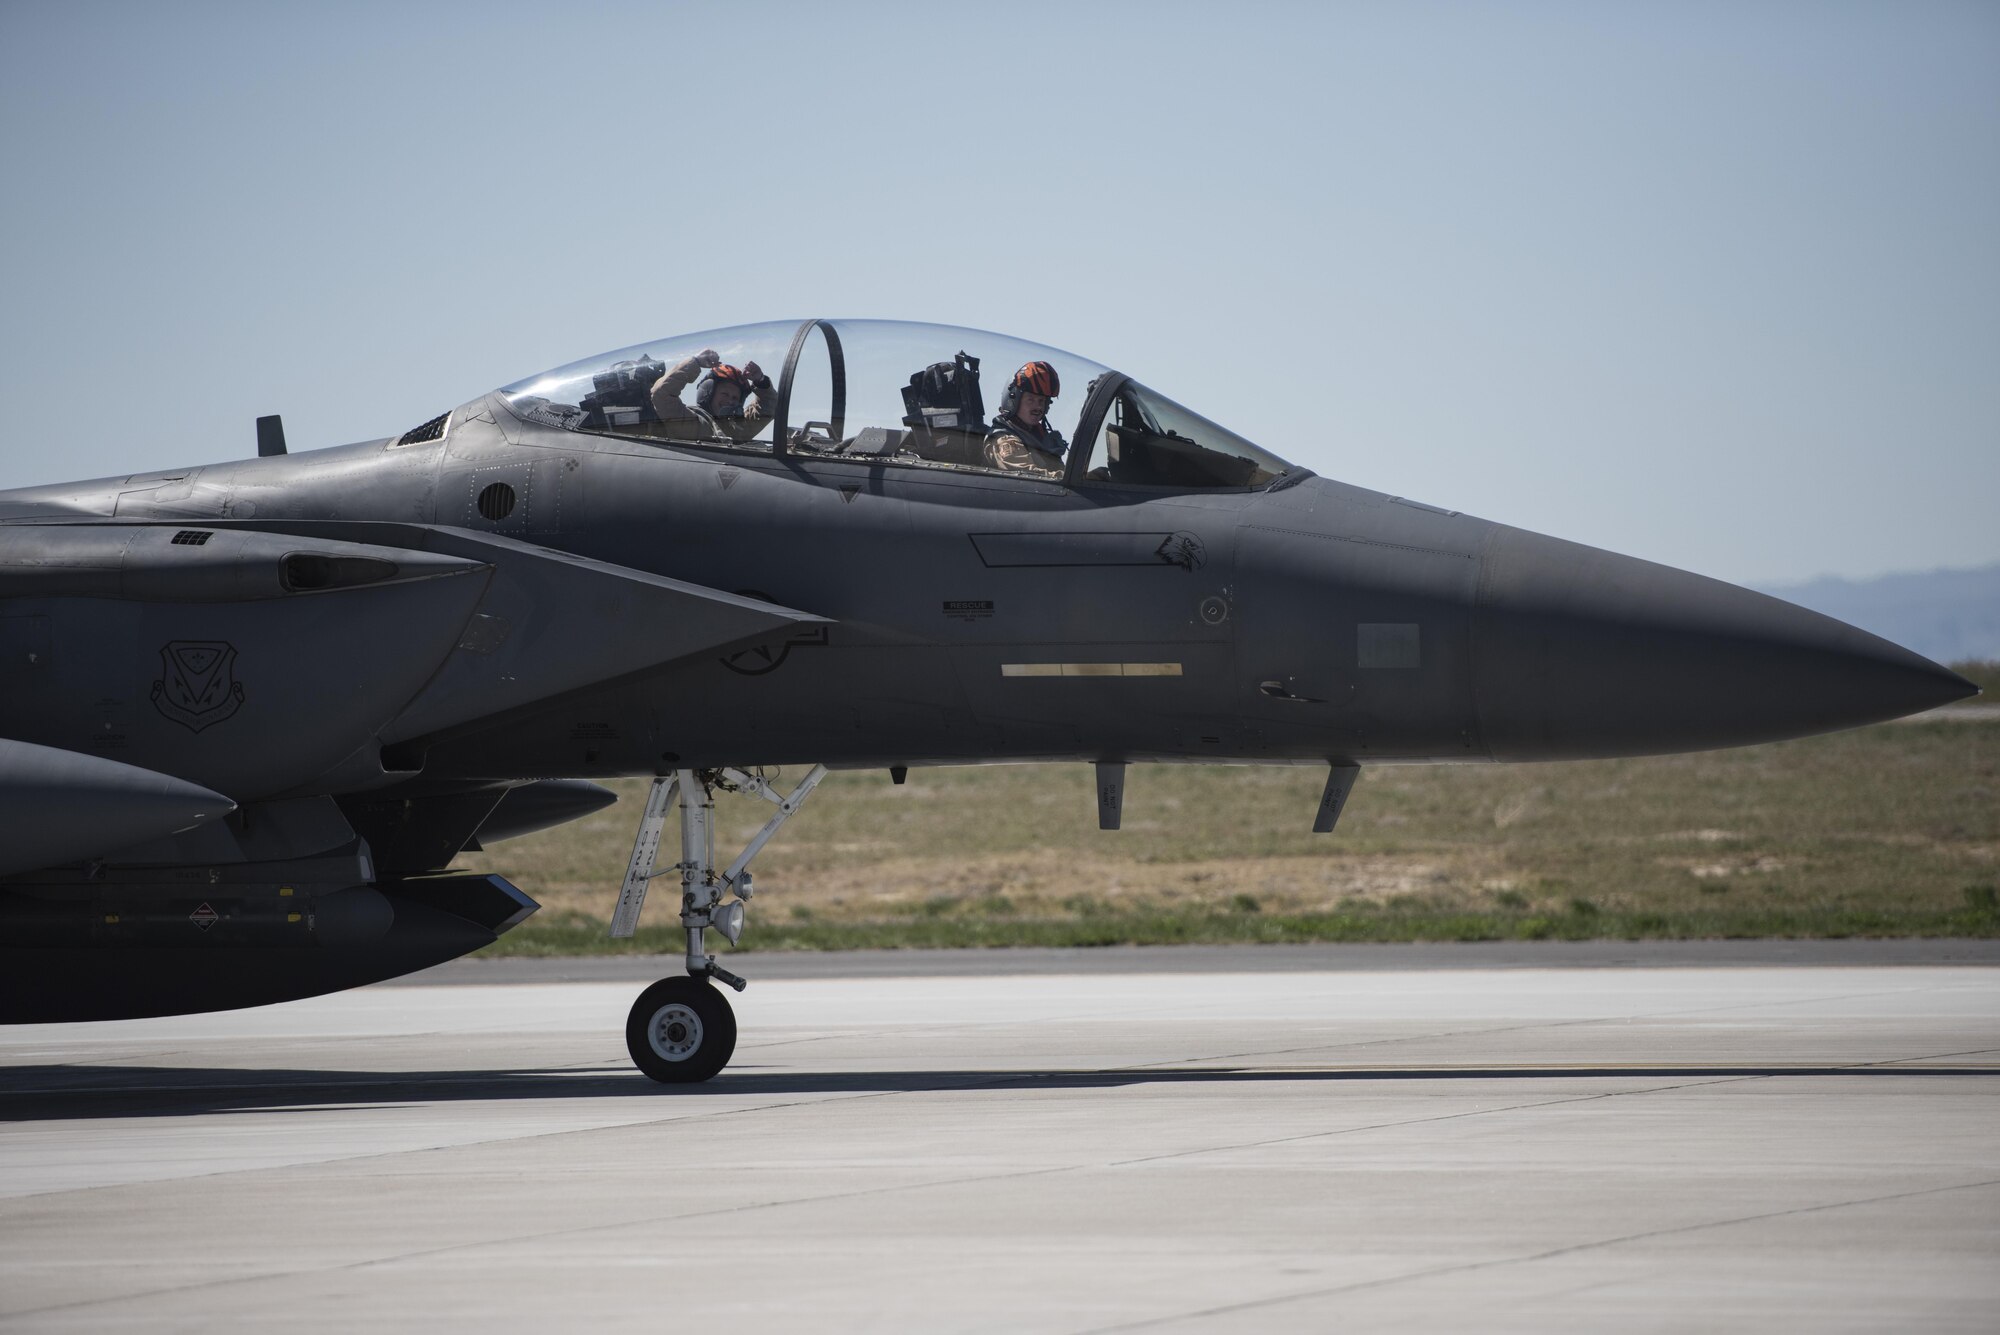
{"points": [[1712, 285]]}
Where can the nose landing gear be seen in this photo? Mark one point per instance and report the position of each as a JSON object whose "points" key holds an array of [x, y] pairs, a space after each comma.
{"points": [[681, 1030]]}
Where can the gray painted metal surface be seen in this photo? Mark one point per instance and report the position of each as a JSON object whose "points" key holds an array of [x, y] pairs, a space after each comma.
{"points": [[374, 650]]}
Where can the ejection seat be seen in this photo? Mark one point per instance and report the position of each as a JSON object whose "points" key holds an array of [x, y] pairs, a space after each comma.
{"points": [[622, 396], [945, 414]]}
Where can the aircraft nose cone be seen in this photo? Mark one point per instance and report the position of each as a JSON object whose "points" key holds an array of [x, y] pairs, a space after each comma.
{"points": [[1580, 652]]}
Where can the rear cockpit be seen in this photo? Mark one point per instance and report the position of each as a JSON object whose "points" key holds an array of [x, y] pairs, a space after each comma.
{"points": [[886, 392]]}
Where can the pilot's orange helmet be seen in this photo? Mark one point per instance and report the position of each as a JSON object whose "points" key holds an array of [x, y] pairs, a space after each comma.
{"points": [[721, 372], [1036, 378]]}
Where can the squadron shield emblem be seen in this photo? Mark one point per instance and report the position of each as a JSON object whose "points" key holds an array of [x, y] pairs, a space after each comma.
{"points": [[197, 686]]}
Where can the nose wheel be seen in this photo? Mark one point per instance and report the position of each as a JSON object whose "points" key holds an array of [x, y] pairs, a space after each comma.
{"points": [[681, 1031]]}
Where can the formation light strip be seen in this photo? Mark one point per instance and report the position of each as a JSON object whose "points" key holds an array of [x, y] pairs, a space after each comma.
{"points": [[1090, 669]]}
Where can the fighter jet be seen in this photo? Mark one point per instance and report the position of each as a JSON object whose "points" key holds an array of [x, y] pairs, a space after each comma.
{"points": [[251, 711]]}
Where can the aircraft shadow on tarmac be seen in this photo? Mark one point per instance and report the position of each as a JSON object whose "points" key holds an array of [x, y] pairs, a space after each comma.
{"points": [[55, 1092]]}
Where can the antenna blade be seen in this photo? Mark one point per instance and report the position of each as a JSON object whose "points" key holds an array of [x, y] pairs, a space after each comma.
{"points": [[270, 436]]}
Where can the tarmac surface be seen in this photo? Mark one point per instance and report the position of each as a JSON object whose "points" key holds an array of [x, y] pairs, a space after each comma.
{"points": [[1068, 1144], [1373, 957]]}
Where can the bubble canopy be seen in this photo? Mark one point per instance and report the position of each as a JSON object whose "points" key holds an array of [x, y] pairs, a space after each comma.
{"points": [[889, 392]]}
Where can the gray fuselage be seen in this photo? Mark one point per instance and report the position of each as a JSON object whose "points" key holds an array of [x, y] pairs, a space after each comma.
{"points": [[970, 617]]}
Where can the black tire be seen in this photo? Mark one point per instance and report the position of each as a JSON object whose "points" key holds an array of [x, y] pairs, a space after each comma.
{"points": [[681, 1031]]}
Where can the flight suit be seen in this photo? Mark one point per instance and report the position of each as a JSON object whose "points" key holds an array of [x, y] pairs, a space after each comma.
{"points": [[1015, 447], [693, 423]]}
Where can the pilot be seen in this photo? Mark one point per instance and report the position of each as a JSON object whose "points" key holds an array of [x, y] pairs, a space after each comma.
{"points": [[732, 402], [1022, 441]]}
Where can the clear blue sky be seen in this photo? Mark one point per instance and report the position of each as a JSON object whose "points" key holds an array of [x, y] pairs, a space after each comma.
{"points": [[1716, 284]]}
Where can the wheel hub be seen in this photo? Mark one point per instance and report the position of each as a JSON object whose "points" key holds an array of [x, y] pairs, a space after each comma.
{"points": [[675, 1033]]}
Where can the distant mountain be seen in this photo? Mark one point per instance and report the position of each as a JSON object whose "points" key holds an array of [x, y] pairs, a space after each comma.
{"points": [[1945, 615]]}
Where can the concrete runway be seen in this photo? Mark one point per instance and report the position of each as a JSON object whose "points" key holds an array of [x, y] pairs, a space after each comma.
{"points": [[1740, 1146]]}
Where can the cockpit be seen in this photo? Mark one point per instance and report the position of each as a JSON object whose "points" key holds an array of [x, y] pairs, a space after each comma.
{"points": [[918, 396]]}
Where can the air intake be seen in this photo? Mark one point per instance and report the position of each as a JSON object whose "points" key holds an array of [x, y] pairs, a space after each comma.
{"points": [[430, 430], [309, 572], [496, 502]]}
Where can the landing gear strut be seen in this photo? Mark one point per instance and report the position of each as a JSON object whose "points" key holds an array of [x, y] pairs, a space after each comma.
{"points": [[681, 1029]]}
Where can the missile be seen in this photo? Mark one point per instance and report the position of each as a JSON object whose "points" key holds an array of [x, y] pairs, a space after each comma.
{"points": [[58, 806]]}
